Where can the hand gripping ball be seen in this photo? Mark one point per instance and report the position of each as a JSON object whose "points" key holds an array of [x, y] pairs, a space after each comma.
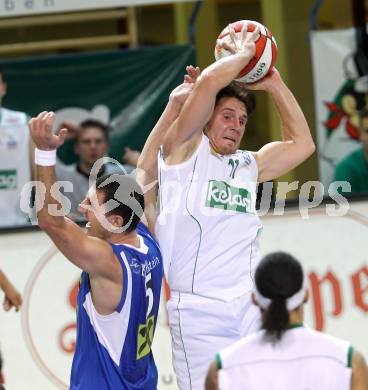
{"points": [[264, 58]]}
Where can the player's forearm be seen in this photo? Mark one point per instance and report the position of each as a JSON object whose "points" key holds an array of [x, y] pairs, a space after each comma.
{"points": [[46, 202], [3, 280], [5, 283], [221, 73], [294, 125]]}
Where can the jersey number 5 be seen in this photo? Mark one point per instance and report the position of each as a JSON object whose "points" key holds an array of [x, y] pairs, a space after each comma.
{"points": [[149, 294]]}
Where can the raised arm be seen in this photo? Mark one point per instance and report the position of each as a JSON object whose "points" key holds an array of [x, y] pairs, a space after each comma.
{"points": [[277, 158], [91, 254], [186, 132], [147, 162]]}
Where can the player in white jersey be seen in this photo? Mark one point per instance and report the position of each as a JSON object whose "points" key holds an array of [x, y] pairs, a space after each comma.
{"points": [[286, 354], [207, 227], [16, 161]]}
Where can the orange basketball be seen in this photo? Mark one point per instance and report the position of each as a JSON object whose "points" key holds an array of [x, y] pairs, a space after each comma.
{"points": [[264, 58]]}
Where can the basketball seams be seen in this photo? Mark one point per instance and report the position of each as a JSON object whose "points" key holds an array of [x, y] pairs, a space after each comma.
{"points": [[266, 58]]}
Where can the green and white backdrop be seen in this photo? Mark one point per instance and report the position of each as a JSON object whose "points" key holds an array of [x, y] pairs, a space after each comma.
{"points": [[127, 89]]}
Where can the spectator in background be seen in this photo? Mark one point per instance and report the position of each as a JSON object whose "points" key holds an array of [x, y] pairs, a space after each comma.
{"points": [[16, 161], [354, 167], [12, 298], [91, 144]]}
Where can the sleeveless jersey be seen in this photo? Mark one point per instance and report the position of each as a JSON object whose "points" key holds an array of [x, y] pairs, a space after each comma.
{"points": [[15, 171], [114, 351], [207, 227], [303, 359]]}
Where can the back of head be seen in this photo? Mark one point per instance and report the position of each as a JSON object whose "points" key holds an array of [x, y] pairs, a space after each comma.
{"points": [[93, 123], [278, 277], [125, 194], [236, 90]]}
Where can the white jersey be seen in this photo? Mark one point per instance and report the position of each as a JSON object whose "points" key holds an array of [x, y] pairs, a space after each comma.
{"points": [[207, 227], [15, 170], [304, 359]]}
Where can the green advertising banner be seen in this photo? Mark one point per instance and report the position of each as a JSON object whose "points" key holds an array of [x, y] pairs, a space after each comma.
{"points": [[127, 89]]}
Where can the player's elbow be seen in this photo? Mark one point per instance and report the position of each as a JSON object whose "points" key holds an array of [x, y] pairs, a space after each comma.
{"points": [[210, 80], [47, 223], [310, 147]]}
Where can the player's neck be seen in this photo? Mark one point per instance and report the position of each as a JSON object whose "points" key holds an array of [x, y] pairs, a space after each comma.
{"points": [[130, 238], [296, 316]]}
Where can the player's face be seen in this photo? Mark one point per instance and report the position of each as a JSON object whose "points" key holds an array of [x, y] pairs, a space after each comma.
{"points": [[91, 145], [364, 133], [2, 87], [90, 211], [226, 127]]}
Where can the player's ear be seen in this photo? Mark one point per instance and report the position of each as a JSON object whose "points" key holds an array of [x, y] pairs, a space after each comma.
{"points": [[116, 220]]}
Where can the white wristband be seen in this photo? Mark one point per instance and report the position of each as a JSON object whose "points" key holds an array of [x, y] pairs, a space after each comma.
{"points": [[45, 158]]}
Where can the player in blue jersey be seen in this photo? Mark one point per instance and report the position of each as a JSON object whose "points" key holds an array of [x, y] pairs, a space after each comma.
{"points": [[120, 285]]}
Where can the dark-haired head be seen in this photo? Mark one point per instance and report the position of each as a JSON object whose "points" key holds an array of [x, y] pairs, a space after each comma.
{"points": [[93, 123], [127, 196], [236, 90], [278, 277], [92, 142]]}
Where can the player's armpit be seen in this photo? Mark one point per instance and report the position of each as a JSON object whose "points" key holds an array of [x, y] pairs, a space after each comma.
{"points": [[184, 151], [359, 380], [211, 380], [91, 254]]}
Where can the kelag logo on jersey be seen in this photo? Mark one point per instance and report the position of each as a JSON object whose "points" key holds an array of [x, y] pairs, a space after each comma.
{"points": [[223, 196], [8, 179]]}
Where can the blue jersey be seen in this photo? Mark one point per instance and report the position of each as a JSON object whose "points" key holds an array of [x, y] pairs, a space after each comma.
{"points": [[114, 351]]}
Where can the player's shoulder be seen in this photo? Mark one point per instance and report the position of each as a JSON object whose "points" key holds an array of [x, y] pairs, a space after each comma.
{"points": [[148, 237], [245, 156], [325, 339], [242, 351]]}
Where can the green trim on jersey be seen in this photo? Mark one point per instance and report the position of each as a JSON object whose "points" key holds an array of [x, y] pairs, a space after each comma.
{"points": [[350, 356], [296, 325], [198, 223], [218, 361]]}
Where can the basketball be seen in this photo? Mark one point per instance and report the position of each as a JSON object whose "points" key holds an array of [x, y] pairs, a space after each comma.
{"points": [[264, 58]]}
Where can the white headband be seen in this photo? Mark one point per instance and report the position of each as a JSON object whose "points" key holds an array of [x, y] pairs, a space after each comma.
{"points": [[291, 303]]}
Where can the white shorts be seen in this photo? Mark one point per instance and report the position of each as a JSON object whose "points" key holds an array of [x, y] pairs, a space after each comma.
{"points": [[201, 327]]}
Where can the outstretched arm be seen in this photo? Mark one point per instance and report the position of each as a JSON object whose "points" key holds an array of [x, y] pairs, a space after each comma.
{"points": [[12, 296], [186, 132], [277, 158], [88, 253], [147, 162]]}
